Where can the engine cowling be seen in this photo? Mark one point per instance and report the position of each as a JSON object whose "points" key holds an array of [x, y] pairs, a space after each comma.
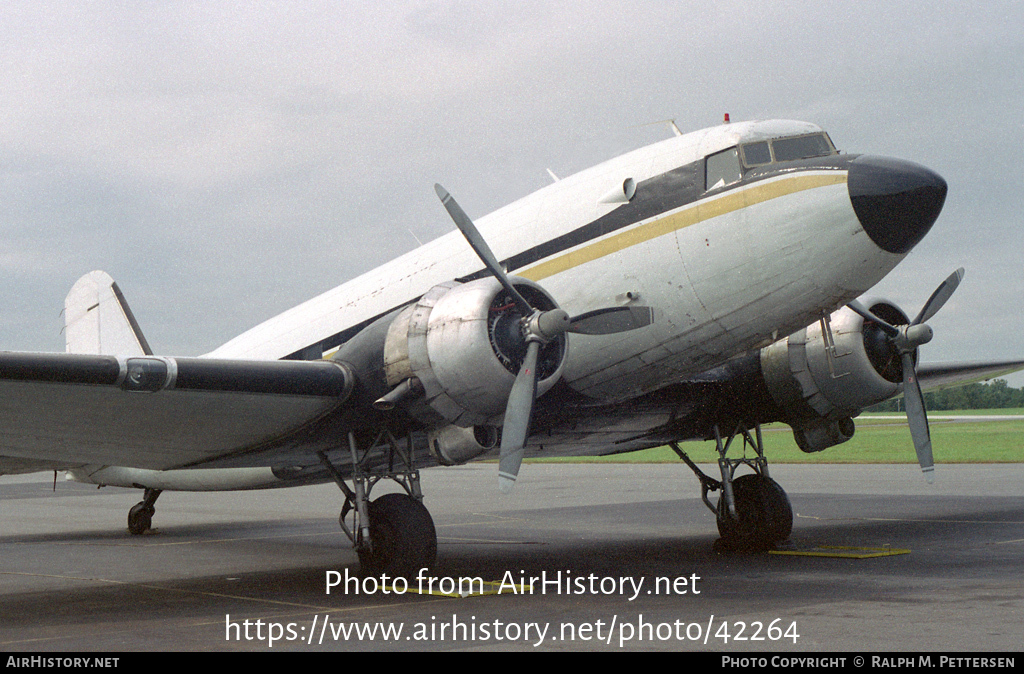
{"points": [[453, 445], [825, 374], [463, 343]]}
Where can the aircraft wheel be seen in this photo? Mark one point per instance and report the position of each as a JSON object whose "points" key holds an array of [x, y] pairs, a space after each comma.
{"points": [[403, 535], [764, 516], [140, 518], [780, 512]]}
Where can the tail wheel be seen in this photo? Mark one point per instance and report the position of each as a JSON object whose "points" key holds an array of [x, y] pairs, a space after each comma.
{"points": [[764, 516], [403, 535], [140, 518]]}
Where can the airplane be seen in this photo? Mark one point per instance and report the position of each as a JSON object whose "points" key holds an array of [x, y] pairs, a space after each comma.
{"points": [[694, 289]]}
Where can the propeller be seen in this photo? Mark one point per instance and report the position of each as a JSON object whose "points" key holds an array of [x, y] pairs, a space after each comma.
{"points": [[538, 327], [905, 340]]}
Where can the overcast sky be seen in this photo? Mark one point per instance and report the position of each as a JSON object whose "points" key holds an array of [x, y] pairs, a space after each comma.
{"points": [[226, 161]]}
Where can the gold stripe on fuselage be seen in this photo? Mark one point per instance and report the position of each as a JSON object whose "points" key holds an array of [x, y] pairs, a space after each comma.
{"points": [[698, 212]]}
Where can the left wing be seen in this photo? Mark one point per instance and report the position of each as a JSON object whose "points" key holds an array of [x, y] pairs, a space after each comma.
{"points": [[936, 376]]}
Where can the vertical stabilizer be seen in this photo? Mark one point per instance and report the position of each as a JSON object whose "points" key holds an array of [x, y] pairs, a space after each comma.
{"points": [[97, 319]]}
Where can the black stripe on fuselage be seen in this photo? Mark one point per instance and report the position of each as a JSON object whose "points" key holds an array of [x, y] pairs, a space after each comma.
{"points": [[664, 192]]}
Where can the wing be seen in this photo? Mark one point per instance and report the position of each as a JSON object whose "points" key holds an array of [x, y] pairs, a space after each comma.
{"points": [[67, 410], [937, 376]]}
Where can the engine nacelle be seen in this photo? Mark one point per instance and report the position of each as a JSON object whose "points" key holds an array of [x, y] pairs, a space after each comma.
{"points": [[454, 445], [464, 345], [827, 373]]}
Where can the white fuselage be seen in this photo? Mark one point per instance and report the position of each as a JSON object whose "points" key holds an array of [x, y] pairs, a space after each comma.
{"points": [[732, 271]]}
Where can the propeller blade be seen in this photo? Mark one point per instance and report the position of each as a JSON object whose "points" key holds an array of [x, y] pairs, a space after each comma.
{"points": [[917, 418], [859, 308], [611, 320], [939, 297], [906, 342], [479, 245], [518, 412]]}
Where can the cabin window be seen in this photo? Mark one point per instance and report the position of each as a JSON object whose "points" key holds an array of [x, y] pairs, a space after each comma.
{"points": [[801, 147], [755, 154], [722, 169]]}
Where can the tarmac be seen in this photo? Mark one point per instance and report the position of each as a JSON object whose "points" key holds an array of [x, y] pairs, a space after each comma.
{"points": [[622, 557]]}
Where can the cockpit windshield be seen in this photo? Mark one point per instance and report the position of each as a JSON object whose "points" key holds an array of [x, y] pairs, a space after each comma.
{"points": [[727, 167], [786, 149]]}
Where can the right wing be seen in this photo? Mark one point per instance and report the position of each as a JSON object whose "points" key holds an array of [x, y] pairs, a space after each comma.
{"points": [[68, 410]]}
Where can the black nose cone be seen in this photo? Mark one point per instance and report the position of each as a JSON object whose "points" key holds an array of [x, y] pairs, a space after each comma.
{"points": [[896, 201]]}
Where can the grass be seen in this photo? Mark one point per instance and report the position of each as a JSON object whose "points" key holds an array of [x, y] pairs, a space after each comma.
{"points": [[960, 413], [876, 441]]}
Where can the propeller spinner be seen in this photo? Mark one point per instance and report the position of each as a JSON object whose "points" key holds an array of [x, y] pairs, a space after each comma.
{"points": [[905, 340], [538, 328]]}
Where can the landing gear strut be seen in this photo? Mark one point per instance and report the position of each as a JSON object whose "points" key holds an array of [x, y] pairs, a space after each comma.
{"points": [[393, 535], [753, 513], [140, 517]]}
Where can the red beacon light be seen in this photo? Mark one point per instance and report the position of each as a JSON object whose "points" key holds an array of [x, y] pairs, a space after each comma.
{"points": [[727, 118]]}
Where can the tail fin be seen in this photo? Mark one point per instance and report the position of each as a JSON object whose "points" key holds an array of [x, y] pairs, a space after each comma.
{"points": [[97, 319]]}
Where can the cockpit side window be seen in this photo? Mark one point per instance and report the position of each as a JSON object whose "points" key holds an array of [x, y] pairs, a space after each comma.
{"points": [[802, 147], [722, 169], [756, 154]]}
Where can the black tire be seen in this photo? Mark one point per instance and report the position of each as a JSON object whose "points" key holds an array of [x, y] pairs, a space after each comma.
{"points": [[403, 535], [780, 512], [764, 516], [140, 518]]}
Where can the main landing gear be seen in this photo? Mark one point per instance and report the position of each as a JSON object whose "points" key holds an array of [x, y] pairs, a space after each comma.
{"points": [[393, 535], [753, 513], [140, 517]]}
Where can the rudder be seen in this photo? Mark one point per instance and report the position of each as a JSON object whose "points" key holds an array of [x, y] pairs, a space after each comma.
{"points": [[98, 320]]}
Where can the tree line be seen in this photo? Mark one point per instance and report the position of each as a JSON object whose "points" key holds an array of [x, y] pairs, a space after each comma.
{"points": [[991, 395]]}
